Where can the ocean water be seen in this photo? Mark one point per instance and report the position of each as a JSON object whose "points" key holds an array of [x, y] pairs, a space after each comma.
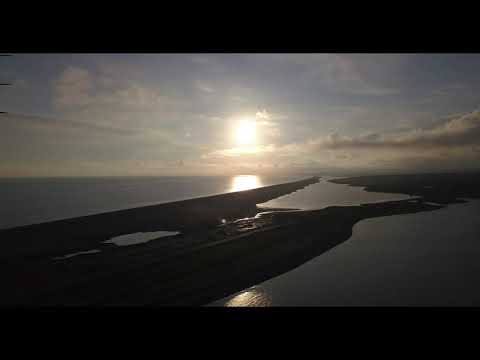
{"points": [[35, 200], [427, 258]]}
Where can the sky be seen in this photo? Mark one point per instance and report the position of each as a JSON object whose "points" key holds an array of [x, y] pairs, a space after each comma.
{"points": [[193, 114]]}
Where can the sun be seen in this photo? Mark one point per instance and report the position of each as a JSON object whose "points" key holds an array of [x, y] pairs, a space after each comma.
{"points": [[245, 132]]}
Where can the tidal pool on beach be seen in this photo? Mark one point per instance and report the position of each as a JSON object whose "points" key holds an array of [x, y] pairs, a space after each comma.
{"points": [[67, 256], [139, 238]]}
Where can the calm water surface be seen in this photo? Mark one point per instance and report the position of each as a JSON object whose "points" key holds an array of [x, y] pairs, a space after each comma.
{"points": [[325, 194], [423, 259], [428, 258], [29, 201]]}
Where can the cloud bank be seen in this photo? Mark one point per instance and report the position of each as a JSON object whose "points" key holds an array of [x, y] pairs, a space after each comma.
{"points": [[454, 141]]}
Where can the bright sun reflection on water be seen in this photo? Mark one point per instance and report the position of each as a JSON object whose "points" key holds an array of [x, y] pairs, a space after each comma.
{"points": [[245, 182], [253, 297]]}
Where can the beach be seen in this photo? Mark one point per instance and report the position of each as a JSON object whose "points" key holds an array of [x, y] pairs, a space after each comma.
{"points": [[228, 248]]}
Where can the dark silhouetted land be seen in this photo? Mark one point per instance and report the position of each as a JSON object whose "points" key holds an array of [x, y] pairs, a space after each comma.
{"points": [[210, 259], [447, 188], [83, 233]]}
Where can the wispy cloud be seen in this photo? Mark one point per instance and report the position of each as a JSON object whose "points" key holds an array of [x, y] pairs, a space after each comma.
{"points": [[172, 109], [455, 139], [73, 87], [461, 130], [204, 87], [61, 124], [335, 72]]}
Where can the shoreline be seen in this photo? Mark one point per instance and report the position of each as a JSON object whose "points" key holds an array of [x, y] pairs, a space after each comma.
{"points": [[86, 232], [198, 275], [212, 261]]}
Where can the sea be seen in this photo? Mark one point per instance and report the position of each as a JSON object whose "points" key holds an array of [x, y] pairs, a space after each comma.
{"points": [[423, 259], [25, 201]]}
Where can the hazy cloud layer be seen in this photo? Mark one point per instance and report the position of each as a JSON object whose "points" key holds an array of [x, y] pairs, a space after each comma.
{"points": [[177, 113], [456, 139], [461, 130], [57, 124]]}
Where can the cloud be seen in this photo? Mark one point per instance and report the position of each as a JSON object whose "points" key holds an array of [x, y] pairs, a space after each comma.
{"points": [[462, 130], [238, 99], [204, 87], [77, 88], [73, 86], [110, 101], [263, 115], [449, 89], [240, 151], [454, 142], [213, 64], [340, 73], [446, 91], [57, 124], [265, 118]]}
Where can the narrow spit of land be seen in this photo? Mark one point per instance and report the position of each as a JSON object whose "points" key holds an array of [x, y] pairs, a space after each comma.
{"points": [[209, 260], [190, 216]]}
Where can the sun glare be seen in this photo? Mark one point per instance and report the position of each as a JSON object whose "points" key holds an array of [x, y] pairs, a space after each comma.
{"points": [[254, 297], [245, 182], [245, 132]]}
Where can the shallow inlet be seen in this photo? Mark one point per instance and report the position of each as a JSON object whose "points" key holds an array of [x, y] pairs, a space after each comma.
{"points": [[315, 196], [423, 259], [124, 240], [94, 251], [139, 238], [325, 193]]}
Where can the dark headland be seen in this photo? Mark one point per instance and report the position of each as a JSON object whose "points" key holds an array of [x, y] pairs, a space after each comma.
{"points": [[447, 188], [211, 258]]}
